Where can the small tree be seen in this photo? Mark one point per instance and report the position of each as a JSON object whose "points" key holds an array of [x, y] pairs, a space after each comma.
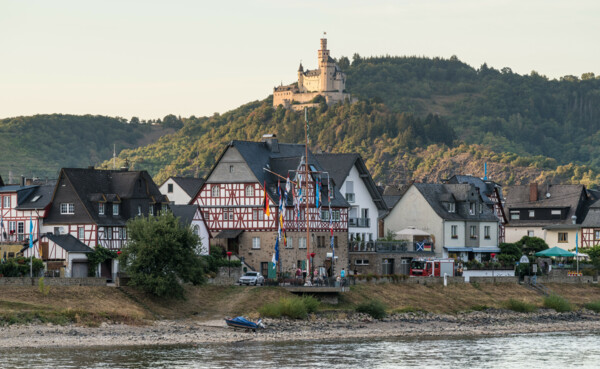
{"points": [[161, 254], [531, 245]]}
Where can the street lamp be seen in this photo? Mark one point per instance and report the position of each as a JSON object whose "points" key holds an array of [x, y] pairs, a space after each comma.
{"points": [[493, 266], [229, 264]]}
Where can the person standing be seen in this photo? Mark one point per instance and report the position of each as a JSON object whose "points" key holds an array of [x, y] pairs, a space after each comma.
{"points": [[343, 276]]}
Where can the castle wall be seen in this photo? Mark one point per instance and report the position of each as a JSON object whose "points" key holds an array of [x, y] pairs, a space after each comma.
{"points": [[312, 84]]}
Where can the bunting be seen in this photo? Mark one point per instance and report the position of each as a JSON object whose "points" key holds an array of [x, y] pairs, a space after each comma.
{"points": [[266, 202]]}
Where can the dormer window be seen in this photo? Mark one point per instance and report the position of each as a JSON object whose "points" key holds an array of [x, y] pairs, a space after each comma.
{"points": [[115, 209], [451, 207], [100, 208], [67, 208], [151, 210], [472, 208], [139, 209], [514, 215]]}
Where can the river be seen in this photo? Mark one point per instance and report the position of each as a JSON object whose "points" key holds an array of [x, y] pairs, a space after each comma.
{"points": [[548, 350]]}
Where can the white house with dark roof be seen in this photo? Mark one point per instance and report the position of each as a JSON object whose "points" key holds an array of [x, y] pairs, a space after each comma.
{"points": [[191, 216], [454, 215], [351, 176], [181, 190]]}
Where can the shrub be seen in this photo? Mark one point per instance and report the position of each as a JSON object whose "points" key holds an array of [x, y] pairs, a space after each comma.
{"points": [[292, 307], [374, 308], [558, 303], [594, 306], [311, 304], [479, 307], [409, 309], [520, 306]]}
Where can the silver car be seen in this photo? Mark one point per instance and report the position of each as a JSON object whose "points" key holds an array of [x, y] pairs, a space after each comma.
{"points": [[252, 278]]}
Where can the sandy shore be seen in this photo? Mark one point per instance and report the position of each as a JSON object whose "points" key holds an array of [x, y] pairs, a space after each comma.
{"points": [[333, 327]]}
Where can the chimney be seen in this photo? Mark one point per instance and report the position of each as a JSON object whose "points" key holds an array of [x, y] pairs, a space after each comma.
{"points": [[533, 192], [271, 141], [22, 181]]}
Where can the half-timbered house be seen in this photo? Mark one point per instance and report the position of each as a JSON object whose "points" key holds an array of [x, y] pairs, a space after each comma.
{"points": [[232, 203], [94, 205]]}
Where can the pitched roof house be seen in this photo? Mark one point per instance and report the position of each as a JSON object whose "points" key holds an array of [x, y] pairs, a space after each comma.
{"points": [[181, 190], [454, 215], [232, 202], [191, 216]]}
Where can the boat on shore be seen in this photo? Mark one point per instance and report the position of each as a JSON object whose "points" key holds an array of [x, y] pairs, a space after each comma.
{"points": [[243, 323]]}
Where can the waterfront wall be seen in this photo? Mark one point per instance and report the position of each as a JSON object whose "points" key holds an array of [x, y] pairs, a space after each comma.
{"points": [[26, 281]]}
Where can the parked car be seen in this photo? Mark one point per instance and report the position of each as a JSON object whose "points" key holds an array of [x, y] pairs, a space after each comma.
{"points": [[252, 278]]}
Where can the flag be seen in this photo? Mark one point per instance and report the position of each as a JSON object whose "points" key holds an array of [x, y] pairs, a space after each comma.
{"points": [[1, 228], [266, 202], [421, 246], [276, 253], [30, 233], [576, 244], [317, 193]]}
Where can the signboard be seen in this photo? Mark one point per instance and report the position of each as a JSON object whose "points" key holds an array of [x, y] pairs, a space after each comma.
{"points": [[524, 260]]}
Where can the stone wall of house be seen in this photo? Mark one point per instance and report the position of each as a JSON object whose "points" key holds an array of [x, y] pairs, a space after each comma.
{"points": [[514, 280], [560, 279], [223, 277], [26, 281]]}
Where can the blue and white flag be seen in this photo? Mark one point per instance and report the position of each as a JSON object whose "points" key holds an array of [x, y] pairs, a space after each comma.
{"points": [[30, 233], [276, 253], [421, 246]]}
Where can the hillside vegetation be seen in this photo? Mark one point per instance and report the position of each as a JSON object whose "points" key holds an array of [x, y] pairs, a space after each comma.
{"points": [[40, 145]]}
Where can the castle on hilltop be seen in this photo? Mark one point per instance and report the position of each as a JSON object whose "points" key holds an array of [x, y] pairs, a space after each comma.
{"points": [[328, 81]]}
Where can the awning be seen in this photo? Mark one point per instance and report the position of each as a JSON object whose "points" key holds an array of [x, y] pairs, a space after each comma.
{"points": [[229, 233], [459, 249], [472, 249]]}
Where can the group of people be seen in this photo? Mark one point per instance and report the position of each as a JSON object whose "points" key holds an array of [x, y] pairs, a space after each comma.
{"points": [[320, 277]]}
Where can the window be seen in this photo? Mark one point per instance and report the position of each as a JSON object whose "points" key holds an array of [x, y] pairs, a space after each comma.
{"points": [[563, 237], [20, 230], [301, 242], [324, 215], [215, 191], [336, 215], [480, 208], [335, 241], [12, 226], [597, 235], [250, 190], [556, 212], [122, 233], [231, 169], [7, 202], [164, 207], [67, 208], [486, 232], [532, 213], [290, 243], [115, 209], [80, 233], [256, 242], [530, 233], [170, 188], [225, 214], [454, 231], [109, 232], [473, 231], [36, 198], [361, 262], [452, 207], [514, 215], [350, 197], [151, 209], [100, 208], [472, 208], [321, 241], [139, 209]]}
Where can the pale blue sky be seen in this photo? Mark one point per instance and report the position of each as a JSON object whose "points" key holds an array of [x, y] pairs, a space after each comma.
{"points": [[151, 58]]}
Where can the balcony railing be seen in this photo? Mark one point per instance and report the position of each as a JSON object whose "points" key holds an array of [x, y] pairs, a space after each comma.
{"points": [[401, 246], [359, 222]]}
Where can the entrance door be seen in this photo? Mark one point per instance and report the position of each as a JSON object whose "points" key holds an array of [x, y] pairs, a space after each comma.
{"points": [[387, 266], [106, 269], [264, 269], [405, 266]]}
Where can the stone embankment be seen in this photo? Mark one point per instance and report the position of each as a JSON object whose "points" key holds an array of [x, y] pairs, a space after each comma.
{"points": [[326, 326]]}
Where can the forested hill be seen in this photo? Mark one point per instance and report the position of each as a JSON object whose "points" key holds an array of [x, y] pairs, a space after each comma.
{"points": [[499, 109], [40, 145]]}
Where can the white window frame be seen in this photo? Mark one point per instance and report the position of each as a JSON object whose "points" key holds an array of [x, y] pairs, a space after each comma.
{"points": [[531, 213], [451, 207], [115, 209], [255, 243], [151, 209], [301, 242], [454, 231], [139, 210], [473, 231], [249, 191], [530, 233], [290, 243], [486, 232], [81, 233], [515, 215], [215, 191], [67, 208], [556, 212], [7, 202], [100, 208]]}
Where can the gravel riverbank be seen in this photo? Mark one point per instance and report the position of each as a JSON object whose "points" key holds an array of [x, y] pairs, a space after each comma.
{"points": [[332, 326]]}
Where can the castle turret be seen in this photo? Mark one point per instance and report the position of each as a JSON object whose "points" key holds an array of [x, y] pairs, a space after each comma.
{"points": [[326, 67], [301, 78]]}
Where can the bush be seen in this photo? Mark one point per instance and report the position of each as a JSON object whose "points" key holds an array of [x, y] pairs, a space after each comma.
{"points": [[520, 306], [292, 307], [558, 303], [594, 306], [374, 308]]}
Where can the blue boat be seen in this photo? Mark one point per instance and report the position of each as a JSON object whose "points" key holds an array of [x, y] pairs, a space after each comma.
{"points": [[241, 322]]}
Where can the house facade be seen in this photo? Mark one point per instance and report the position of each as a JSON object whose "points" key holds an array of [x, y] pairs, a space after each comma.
{"points": [[181, 190], [355, 183], [454, 215], [554, 213], [232, 201], [190, 216]]}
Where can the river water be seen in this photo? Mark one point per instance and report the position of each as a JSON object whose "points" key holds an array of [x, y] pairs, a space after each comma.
{"points": [[548, 350]]}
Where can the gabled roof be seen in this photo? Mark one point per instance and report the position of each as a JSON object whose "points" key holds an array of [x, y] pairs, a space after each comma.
{"points": [[339, 166], [185, 213], [37, 199], [437, 194], [485, 187], [279, 158], [190, 185], [69, 243]]}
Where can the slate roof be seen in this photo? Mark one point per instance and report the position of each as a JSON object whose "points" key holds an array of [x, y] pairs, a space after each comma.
{"points": [[1, 182], [485, 187], [69, 243], [44, 199], [190, 185], [572, 197], [339, 166], [185, 213], [280, 158], [436, 194]]}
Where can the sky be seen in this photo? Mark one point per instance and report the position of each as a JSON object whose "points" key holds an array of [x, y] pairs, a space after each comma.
{"points": [[149, 58]]}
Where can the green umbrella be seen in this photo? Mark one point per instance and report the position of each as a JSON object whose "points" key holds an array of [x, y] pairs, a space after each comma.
{"points": [[555, 251]]}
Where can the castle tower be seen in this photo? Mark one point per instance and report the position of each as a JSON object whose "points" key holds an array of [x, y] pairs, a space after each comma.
{"points": [[301, 78], [326, 67]]}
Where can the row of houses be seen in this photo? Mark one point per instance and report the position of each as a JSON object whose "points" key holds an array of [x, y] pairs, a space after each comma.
{"points": [[252, 200]]}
